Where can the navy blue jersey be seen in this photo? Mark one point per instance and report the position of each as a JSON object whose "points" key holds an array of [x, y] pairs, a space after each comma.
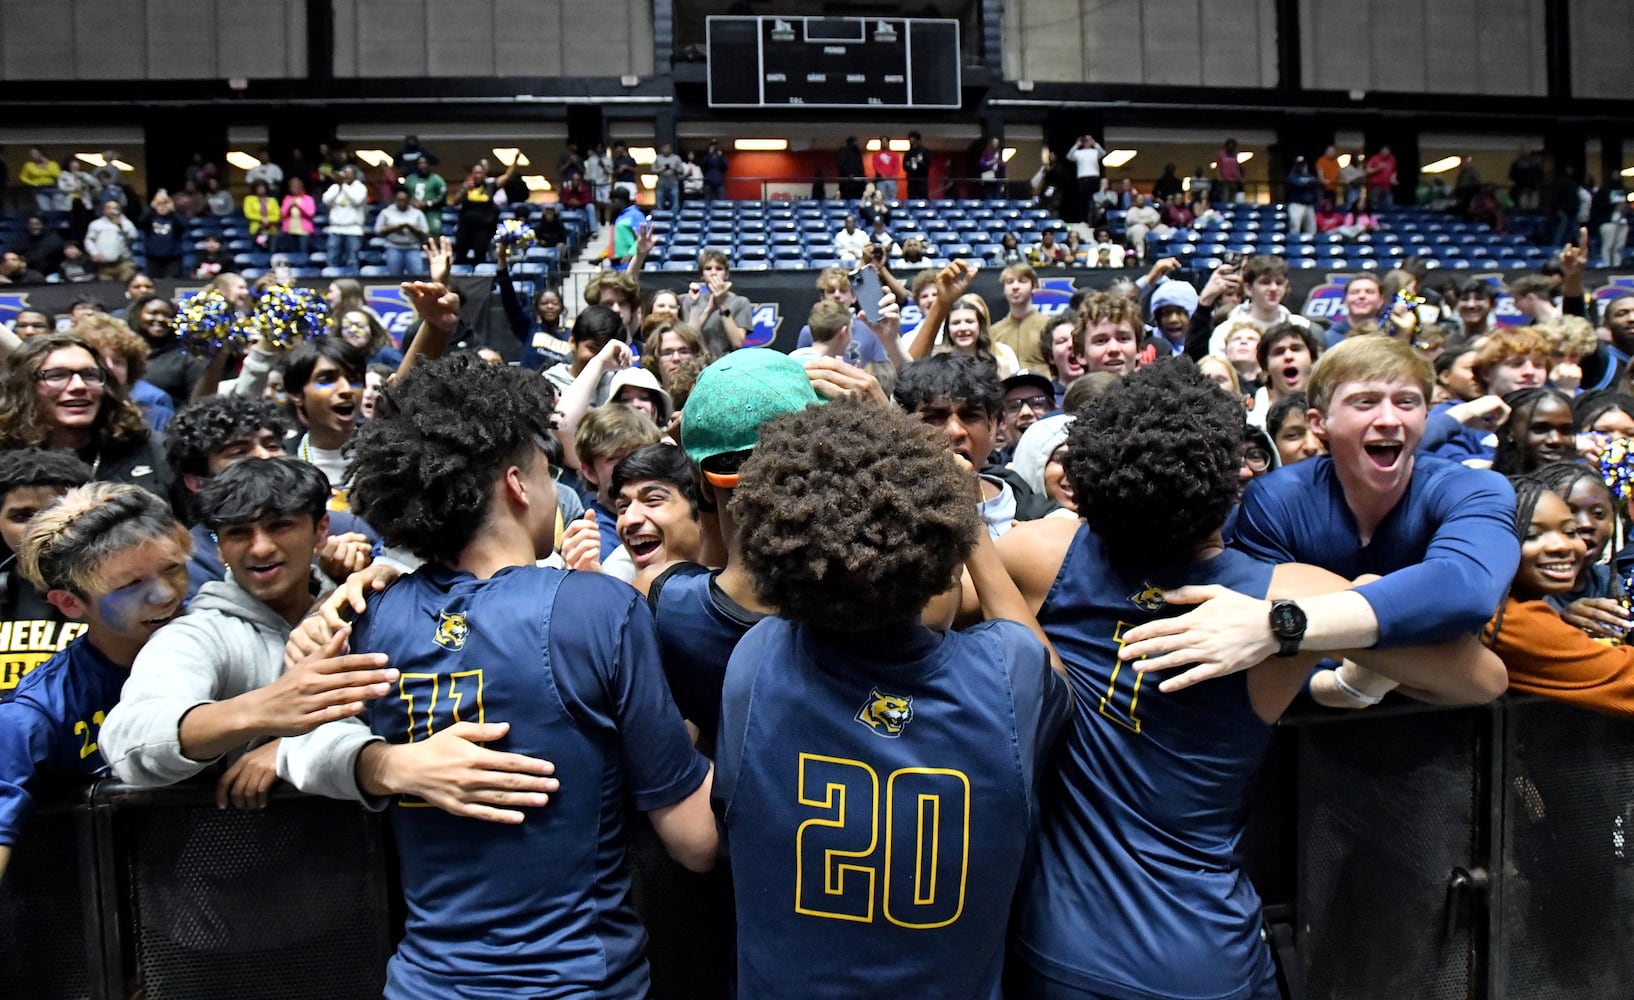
{"points": [[51, 724], [698, 627], [1447, 550], [877, 791], [570, 660], [1136, 892]]}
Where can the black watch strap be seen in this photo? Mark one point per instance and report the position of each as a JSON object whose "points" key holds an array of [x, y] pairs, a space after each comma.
{"points": [[1287, 626]]}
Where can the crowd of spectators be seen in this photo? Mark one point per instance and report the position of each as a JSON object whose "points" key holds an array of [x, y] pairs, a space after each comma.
{"points": [[957, 531]]}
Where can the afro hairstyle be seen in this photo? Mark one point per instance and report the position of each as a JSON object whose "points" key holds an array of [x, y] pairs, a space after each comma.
{"points": [[423, 469], [850, 516], [1158, 449]]}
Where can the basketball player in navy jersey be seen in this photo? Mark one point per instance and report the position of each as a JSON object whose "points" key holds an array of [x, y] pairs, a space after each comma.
{"points": [[876, 777], [534, 904], [1136, 893]]}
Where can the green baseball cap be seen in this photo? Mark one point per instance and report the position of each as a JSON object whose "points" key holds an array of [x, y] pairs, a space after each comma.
{"points": [[737, 394]]}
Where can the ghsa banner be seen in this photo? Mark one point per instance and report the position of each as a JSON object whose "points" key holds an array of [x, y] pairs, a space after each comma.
{"points": [[1327, 300]]}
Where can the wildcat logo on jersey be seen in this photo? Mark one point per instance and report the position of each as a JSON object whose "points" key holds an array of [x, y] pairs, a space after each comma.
{"points": [[452, 630], [1150, 598], [886, 714]]}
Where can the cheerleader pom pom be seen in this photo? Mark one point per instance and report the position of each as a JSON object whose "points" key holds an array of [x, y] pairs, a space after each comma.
{"points": [[288, 316], [207, 322], [1617, 468], [513, 235]]}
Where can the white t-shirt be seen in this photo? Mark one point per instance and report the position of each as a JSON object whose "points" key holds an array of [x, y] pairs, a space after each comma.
{"points": [[1088, 159]]}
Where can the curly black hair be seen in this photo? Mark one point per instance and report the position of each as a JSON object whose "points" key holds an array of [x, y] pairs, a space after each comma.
{"points": [[951, 378], [1159, 449], [423, 470], [851, 516], [204, 428], [1512, 457], [246, 492]]}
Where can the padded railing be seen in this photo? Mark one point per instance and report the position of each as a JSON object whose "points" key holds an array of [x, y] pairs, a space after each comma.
{"points": [[1402, 852]]}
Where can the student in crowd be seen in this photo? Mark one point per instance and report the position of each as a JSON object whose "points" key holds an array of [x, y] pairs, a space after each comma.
{"points": [[584, 684], [219, 431], [31, 627], [169, 366], [1543, 653], [668, 345], [962, 397], [1437, 533], [324, 379], [1288, 425], [541, 336], [721, 315], [601, 440], [655, 497], [1109, 329], [56, 393], [1594, 603], [1286, 354], [850, 691], [212, 686], [593, 329], [1128, 841], [125, 356], [363, 330], [1022, 324], [111, 555], [1540, 430]]}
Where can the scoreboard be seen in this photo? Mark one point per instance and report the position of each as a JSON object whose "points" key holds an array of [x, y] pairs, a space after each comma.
{"points": [[833, 62]]}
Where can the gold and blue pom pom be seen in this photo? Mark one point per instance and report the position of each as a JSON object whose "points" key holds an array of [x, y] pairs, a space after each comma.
{"points": [[207, 322], [514, 235], [1617, 468], [288, 316]]}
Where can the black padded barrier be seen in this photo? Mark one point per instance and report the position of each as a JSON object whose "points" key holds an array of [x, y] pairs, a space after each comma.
{"points": [[50, 934], [284, 903], [1403, 853], [1388, 811]]}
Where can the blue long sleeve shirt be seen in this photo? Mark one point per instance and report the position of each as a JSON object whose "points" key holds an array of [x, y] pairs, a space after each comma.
{"points": [[1447, 552]]}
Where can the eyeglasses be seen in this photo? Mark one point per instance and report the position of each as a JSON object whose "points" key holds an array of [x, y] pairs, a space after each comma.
{"points": [[1256, 458], [58, 378], [675, 352], [31, 324], [1038, 404]]}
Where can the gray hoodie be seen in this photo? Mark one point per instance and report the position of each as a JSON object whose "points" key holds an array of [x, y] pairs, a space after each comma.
{"points": [[227, 644]]}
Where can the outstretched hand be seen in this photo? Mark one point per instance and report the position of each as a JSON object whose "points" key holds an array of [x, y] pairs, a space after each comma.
{"points": [[1226, 633]]}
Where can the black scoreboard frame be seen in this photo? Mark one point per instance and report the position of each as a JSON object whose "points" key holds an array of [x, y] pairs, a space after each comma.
{"points": [[768, 25]]}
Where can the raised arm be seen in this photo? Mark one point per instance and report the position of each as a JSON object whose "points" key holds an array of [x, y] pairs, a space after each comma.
{"points": [[575, 402]]}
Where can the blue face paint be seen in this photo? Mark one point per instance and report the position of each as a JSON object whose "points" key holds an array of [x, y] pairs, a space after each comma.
{"points": [[158, 593]]}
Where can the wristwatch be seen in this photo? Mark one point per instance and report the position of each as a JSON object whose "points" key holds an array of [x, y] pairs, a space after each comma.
{"points": [[1287, 626]]}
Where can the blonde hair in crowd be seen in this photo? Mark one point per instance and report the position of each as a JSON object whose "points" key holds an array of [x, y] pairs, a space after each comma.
{"points": [[1366, 359], [67, 543]]}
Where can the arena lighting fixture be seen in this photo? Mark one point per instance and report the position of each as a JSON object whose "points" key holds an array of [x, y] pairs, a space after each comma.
{"points": [[509, 155], [373, 157], [94, 159], [536, 182], [1118, 157], [1442, 165], [760, 145], [1626, 172], [1008, 152], [897, 145], [644, 155], [1343, 159], [122, 165], [1242, 157], [649, 181], [242, 160]]}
